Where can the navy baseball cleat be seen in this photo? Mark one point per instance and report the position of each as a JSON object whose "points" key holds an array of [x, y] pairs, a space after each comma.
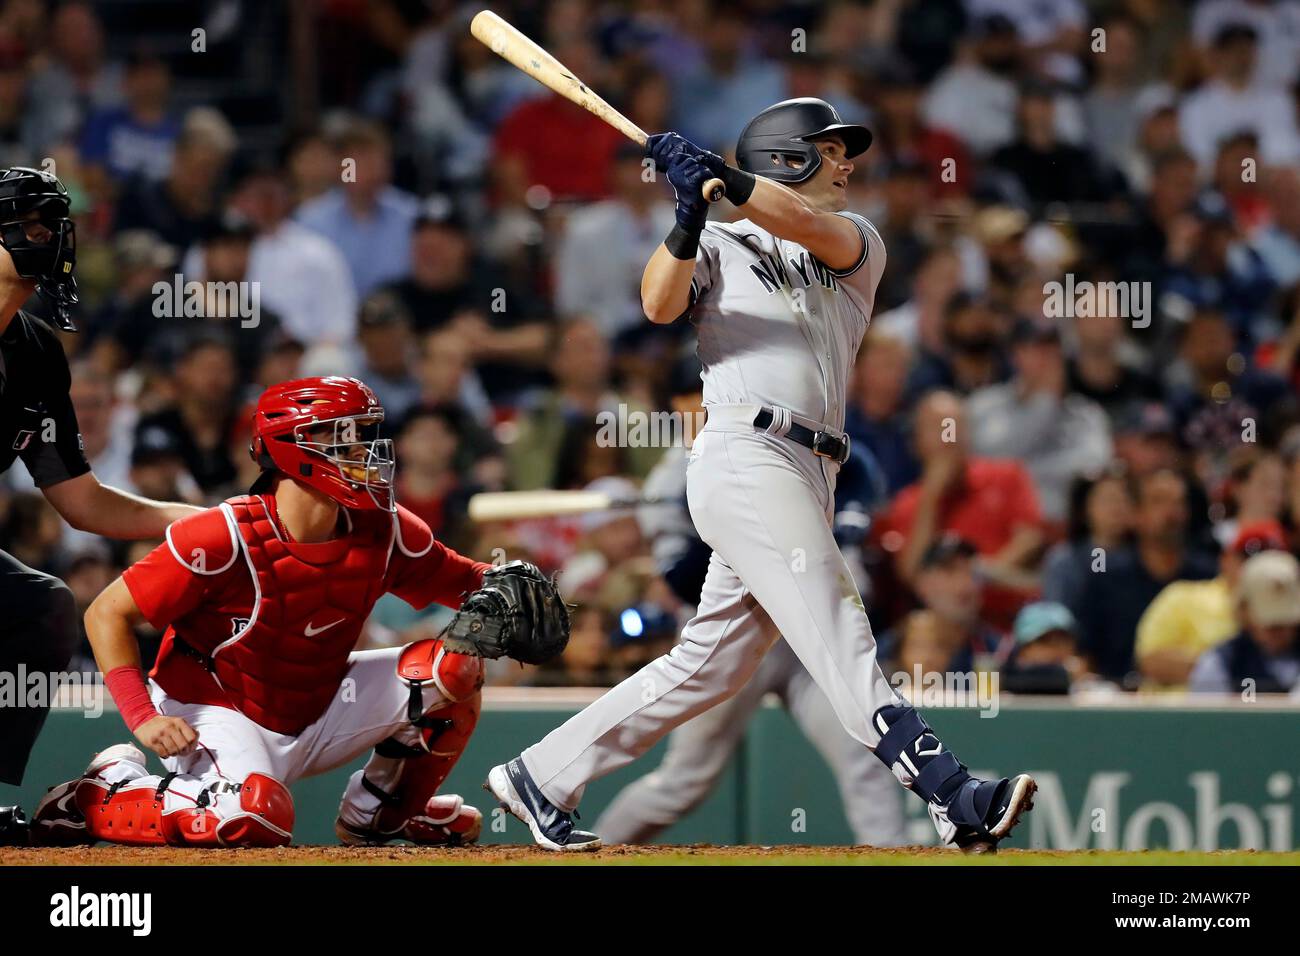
{"points": [[1013, 800], [552, 828]]}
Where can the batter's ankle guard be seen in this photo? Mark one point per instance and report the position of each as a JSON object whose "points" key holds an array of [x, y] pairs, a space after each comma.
{"points": [[910, 748]]}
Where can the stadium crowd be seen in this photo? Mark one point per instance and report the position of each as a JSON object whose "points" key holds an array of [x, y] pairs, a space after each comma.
{"points": [[1074, 421]]}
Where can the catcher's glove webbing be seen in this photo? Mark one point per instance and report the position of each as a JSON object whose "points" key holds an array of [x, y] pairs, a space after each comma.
{"points": [[517, 613]]}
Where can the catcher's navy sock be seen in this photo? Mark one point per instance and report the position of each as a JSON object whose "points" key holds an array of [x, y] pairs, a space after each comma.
{"points": [[910, 748]]}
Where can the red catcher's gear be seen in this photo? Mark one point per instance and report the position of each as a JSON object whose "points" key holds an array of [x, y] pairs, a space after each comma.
{"points": [[137, 816], [324, 433], [284, 665]]}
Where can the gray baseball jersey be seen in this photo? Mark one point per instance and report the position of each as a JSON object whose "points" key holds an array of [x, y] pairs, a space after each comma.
{"points": [[776, 326]]}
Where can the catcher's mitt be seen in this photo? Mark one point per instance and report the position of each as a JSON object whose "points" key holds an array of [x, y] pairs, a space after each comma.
{"points": [[517, 613]]}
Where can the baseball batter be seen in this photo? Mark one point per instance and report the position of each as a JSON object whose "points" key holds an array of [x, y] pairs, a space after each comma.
{"points": [[781, 301], [257, 685]]}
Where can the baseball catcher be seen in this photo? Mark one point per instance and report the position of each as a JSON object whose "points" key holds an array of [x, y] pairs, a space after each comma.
{"points": [[257, 685]]}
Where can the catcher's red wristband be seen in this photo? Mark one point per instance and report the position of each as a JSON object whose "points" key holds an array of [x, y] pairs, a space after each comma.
{"points": [[126, 684]]}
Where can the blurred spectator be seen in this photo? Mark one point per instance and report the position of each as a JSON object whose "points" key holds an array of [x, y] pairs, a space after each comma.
{"points": [[1188, 618], [1102, 369], [136, 138], [304, 278], [875, 416], [949, 621], [77, 78], [1044, 660], [1276, 25], [180, 205], [1209, 267], [580, 365], [991, 504], [1146, 439], [901, 221], [1232, 101], [388, 353], [1100, 520], [919, 322], [604, 247], [900, 130], [535, 145], [200, 417], [226, 306], [1034, 419], [611, 564], [427, 454], [367, 218], [1047, 169], [1264, 656], [716, 95], [1112, 107], [1127, 579], [975, 97], [1255, 492], [1223, 395], [450, 288], [122, 327], [971, 354], [1278, 242]]}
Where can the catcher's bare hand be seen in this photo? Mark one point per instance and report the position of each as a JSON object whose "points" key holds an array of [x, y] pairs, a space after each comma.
{"points": [[167, 736]]}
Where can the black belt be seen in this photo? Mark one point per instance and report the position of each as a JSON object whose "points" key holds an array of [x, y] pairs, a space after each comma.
{"points": [[823, 444]]}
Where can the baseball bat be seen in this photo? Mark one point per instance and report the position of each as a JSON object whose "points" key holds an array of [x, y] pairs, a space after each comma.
{"points": [[509, 505], [511, 45]]}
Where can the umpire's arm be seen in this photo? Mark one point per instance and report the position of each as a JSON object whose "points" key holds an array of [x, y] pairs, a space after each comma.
{"points": [[100, 509]]}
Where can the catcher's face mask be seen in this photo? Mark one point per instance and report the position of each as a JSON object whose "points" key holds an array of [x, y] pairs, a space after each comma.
{"points": [[362, 462]]}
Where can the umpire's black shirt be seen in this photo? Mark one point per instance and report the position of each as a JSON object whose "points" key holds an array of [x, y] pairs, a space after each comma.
{"points": [[37, 421]]}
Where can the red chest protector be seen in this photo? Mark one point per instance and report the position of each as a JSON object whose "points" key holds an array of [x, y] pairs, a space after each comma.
{"points": [[310, 603]]}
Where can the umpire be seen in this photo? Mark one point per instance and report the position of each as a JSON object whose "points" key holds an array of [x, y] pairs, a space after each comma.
{"points": [[38, 425]]}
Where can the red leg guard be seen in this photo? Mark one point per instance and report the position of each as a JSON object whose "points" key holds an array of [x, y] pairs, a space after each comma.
{"points": [[445, 738], [267, 817], [137, 815]]}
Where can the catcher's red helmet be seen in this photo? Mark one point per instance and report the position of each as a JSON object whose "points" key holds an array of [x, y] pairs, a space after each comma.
{"points": [[324, 433]]}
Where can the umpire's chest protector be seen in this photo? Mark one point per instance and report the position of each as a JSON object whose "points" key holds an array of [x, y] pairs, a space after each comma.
{"points": [[285, 665]]}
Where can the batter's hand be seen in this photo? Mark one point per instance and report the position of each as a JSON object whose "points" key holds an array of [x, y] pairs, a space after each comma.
{"points": [[687, 171], [167, 736]]}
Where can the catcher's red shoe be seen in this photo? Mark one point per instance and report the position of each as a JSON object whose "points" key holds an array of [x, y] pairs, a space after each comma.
{"points": [[447, 821]]}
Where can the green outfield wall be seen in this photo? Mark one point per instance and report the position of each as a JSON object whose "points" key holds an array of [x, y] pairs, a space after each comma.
{"points": [[1155, 775]]}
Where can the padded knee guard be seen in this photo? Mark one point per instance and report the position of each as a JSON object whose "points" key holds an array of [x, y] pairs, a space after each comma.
{"points": [[457, 676]]}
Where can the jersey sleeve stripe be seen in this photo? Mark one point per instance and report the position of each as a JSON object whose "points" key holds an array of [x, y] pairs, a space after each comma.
{"points": [[234, 545], [866, 244]]}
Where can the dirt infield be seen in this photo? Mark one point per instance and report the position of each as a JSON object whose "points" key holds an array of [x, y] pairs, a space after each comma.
{"points": [[696, 855]]}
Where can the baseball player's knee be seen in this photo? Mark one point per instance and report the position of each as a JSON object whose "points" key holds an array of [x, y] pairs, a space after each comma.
{"points": [[457, 676]]}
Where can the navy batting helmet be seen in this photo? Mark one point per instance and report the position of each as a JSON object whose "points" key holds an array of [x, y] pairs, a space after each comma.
{"points": [[779, 142], [37, 232]]}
